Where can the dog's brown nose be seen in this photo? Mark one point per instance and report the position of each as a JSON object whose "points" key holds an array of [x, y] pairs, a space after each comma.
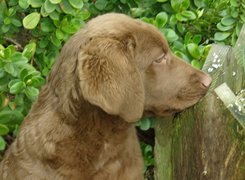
{"points": [[206, 81]]}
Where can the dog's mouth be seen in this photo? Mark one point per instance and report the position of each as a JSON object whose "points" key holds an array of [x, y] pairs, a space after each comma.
{"points": [[188, 100], [180, 105], [168, 112], [162, 112]]}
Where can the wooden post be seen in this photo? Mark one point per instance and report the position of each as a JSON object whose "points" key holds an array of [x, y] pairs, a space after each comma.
{"points": [[207, 141]]}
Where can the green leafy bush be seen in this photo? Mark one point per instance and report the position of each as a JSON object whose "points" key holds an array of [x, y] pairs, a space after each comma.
{"points": [[33, 31], [20, 83]]}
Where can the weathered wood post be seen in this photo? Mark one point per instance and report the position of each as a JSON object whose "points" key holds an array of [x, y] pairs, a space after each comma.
{"points": [[208, 140]]}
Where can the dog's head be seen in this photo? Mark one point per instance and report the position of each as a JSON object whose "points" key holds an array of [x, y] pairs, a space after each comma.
{"points": [[125, 67]]}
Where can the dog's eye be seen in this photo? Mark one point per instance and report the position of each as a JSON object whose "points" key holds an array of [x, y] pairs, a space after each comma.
{"points": [[160, 59]]}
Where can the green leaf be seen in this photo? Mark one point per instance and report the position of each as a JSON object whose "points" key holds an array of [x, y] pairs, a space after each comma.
{"points": [[200, 13], [170, 34], [1, 47], [175, 5], [173, 21], [54, 15], [179, 5], [17, 87], [2, 100], [16, 130], [181, 18], [181, 28], [148, 149], [55, 41], [31, 92], [31, 20], [29, 50], [243, 17], [30, 75], [44, 12], [19, 99], [24, 72], [187, 38], [10, 117], [233, 38], [189, 15], [100, 4], [76, 3], [49, 7], [55, 1], [2, 73], [47, 25], [228, 21], [9, 51], [36, 81], [69, 27], [43, 43], [5, 116], [9, 68], [161, 19], [35, 3], [137, 12], [5, 28], [12, 10], [2, 143], [16, 56], [178, 45], [4, 83], [18, 59], [224, 28], [234, 3], [162, 1], [13, 81], [182, 55], [59, 34], [196, 64], [66, 7], [45, 71], [206, 50], [234, 13], [220, 36], [197, 38], [200, 3], [3, 130], [93, 10], [145, 124], [16, 22], [193, 50], [85, 14], [7, 20], [238, 29], [23, 4]]}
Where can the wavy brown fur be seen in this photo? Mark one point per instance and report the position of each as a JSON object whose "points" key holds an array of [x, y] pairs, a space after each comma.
{"points": [[105, 78]]}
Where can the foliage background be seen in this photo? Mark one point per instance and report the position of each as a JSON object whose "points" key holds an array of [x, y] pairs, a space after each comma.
{"points": [[32, 33]]}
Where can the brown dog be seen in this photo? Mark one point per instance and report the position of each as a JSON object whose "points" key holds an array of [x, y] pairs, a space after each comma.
{"points": [[107, 76]]}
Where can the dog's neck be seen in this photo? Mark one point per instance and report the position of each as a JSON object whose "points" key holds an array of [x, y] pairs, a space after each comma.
{"points": [[78, 112], [92, 117]]}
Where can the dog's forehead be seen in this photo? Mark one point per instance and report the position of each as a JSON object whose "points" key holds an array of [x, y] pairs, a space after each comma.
{"points": [[149, 35], [150, 42], [120, 24]]}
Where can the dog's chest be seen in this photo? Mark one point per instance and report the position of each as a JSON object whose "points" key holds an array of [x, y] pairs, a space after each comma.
{"points": [[95, 156], [120, 162]]}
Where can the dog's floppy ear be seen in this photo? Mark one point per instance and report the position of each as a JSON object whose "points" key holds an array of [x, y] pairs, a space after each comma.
{"points": [[109, 79]]}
